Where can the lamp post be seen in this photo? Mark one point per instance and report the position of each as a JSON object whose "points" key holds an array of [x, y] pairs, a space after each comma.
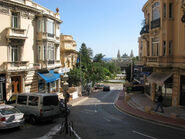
{"points": [[65, 87]]}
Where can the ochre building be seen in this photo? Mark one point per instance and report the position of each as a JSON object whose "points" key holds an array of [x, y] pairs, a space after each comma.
{"points": [[162, 47], [68, 53], [29, 48]]}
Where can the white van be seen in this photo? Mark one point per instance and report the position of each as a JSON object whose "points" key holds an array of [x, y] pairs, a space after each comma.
{"points": [[36, 106]]}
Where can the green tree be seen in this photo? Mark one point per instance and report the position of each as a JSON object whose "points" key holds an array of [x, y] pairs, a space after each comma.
{"points": [[85, 55], [98, 58]]}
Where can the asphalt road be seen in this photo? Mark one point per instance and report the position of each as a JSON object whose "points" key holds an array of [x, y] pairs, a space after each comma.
{"points": [[98, 118]]}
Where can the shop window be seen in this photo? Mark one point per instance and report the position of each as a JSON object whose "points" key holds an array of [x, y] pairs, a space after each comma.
{"points": [[33, 101], [41, 85], [22, 100]]}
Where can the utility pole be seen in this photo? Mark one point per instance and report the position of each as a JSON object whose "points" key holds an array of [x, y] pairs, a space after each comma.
{"points": [[131, 76]]}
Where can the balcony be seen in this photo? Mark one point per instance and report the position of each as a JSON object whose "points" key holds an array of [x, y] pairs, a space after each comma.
{"points": [[16, 33], [48, 36], [144, 30], [155, 23], [16, 66], [48, 64]]}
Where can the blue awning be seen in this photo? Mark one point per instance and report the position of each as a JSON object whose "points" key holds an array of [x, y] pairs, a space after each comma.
{"points": [[50, 76]]}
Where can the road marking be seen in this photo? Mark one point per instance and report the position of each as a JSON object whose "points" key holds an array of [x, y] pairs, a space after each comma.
{"points": [[139, 133], [107, 119], [78, 137], [52, 132]]}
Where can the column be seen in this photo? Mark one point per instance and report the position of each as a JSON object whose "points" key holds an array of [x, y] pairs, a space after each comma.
{"points": [[153, 91], [176, 90]]}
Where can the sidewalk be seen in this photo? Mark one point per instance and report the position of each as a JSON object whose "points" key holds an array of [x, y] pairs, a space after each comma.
{"points": [[136, 106]]}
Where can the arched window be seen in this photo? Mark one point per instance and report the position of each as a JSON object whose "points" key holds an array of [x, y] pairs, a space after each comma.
{"points": [[156, 11]]}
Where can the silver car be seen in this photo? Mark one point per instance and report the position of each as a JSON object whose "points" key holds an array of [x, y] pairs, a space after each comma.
{"points": [[10, 117]]}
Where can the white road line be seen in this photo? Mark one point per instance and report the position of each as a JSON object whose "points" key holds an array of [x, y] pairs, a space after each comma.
{"points": [[52, 132], [139, 133], [78, 137], [107, 119]]}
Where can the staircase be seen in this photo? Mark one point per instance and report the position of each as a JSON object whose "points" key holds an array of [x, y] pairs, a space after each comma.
{"points": [[31, 82]]}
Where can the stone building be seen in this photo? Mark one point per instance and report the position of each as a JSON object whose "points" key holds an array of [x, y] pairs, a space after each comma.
{"points": [[162, 47], [68, 51], [29, 48]]}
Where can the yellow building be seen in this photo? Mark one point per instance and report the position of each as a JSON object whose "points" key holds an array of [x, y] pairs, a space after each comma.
{"points": [[29, 47], [68, 51], [162, 47]]}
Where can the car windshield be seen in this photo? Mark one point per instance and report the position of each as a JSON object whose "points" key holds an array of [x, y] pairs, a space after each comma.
{"points": [[7, 111]]}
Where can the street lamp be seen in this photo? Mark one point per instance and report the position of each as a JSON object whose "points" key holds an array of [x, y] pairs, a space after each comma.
{"points": [[65, 87]]}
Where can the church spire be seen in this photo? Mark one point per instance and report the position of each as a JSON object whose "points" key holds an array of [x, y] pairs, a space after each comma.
{"points": [[118, 55], [131, 54]]}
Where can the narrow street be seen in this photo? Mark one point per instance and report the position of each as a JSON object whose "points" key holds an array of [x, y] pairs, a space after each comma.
{"points": [[96, 118]]}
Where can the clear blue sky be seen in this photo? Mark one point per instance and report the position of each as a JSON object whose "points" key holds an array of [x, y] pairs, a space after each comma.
{"points": [[105, 26]]}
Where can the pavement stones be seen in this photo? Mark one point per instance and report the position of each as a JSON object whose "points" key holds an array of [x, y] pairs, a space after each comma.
{"points": [[152, 116]]}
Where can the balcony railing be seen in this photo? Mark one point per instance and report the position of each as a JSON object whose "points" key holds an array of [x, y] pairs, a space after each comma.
{"points": [[16, 33], [145, 29], [50, 64], [16, 66], [155, 23]]}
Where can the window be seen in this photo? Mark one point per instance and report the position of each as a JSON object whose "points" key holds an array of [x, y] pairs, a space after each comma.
{"points": [[41, 85], [155, 47], [51, 53], [22, 100], [39, 53], [164, 10], [15, 20], [39, 26], [45, 54], [155, 11], [14, 53], [170, 10], [170, 48], [12, 100], [164, 48], [33, 101], [50, 100], [50, 28]]}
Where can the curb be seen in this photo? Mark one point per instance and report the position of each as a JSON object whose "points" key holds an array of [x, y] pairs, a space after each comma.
{"points": [[143, 117]]}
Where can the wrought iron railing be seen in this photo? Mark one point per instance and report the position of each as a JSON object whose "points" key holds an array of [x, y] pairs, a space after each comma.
{"points": [[155, 23]]}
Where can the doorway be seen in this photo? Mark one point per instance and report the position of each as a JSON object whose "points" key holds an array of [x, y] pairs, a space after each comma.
{"points": [[182, 91], [16, 84]]}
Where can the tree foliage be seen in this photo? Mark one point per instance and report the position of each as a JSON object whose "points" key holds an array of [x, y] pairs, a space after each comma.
{"points": [[91, 69]]}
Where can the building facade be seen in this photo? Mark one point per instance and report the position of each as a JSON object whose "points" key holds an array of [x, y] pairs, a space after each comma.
{"points": [[162, 47], [68, 51], [29, 48]]}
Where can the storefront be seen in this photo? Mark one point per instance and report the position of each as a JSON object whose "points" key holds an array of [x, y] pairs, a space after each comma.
{"points": [[49, 82], [161, 82], [2, 87]]}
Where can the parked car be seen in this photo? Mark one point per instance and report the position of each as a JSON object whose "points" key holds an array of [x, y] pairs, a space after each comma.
{"points": [[10, 117], [106, 88], [98, 86], [36, 106]]}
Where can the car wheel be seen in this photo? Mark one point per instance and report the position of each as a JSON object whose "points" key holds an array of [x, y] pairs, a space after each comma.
{"points": [[32, 119]]}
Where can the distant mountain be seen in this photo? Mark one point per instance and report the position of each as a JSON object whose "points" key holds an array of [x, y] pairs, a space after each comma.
{"points": [[107, 59]]}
